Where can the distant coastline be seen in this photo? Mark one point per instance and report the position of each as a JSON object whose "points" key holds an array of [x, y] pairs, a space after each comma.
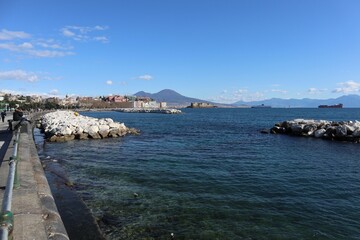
{"points": [[201, 105]]}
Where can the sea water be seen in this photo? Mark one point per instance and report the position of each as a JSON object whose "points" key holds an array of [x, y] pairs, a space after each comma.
{"points": [[211, 174]]}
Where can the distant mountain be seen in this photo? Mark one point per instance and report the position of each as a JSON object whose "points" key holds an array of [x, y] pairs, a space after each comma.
{"points": [[349, 101], [171, 97]]}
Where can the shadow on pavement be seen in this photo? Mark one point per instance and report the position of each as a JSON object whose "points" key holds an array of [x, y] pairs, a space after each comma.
{"points": [[5, 139]]}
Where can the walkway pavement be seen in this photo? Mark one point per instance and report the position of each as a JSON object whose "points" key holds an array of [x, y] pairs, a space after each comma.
{"points": [[35, 213]]}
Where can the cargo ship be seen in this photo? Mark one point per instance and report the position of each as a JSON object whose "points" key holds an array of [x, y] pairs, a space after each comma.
{"points": [[261, 106], [331, 106]]}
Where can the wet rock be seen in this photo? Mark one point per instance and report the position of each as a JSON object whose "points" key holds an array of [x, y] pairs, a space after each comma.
{"points": [[342, 131], [319, 133], [356, 133], [297, 129], [265, 131]]}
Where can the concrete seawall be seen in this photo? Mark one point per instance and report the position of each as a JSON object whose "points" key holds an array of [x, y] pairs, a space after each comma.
{"points": [[35, 213]]}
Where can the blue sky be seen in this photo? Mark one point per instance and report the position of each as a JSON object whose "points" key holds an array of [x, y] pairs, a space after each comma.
{"points": [[224, 50]]}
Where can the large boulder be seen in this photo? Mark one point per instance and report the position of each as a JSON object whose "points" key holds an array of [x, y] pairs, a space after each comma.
{"points": [[341, 131], [319, 133], [356, 132], [81, 136], [104, 131], [309, 129], [297, 129], [114, 132]]}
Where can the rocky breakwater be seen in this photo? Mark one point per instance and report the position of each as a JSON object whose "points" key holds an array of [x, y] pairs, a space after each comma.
{"points": [[150, 110], [342, 131], [61, 126]]}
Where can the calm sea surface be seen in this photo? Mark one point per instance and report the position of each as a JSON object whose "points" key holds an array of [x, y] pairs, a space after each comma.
{"points": [[211, 174]]}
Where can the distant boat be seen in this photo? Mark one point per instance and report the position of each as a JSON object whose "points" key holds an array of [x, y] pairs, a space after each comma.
{"points": [[261, 106], [331, 106]]}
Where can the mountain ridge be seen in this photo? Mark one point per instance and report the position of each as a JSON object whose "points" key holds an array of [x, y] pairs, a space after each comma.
{"points": [[349, 101], [174, 98]]}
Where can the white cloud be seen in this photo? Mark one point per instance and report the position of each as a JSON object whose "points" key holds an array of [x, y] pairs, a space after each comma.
{"points": [[347, 87], [101, 28], [54, 92], [257, 96], [80, 33], [26, 45], [8, 91], [242, 94], [101, 39], [145, 77], [49, 54], [28, 48], [13, 41], [10, 35], [46, 45], [316, 91], [10, 46], [279, 91], [313, 90], [19, 75], [109, 82], [52, 44], [67, 33], [16, 47]]}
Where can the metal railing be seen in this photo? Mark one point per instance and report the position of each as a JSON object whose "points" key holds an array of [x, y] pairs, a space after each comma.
{"points": [[7, 217]]}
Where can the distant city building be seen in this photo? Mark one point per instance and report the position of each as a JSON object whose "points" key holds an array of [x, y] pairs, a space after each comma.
{"points": [[84, 99], [201, 105], [68, 101], [144, 99], [116, 98], [163, 105], [13, 97], [36, 98], [52, 100]]}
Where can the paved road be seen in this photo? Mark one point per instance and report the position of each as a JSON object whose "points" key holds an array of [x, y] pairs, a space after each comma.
{"points": [[5, 136]]}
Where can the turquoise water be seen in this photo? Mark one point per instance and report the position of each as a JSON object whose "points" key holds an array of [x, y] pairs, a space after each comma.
{"points": [[210, 174]]}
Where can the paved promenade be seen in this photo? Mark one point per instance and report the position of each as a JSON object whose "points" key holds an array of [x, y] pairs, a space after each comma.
{"points": [[33, 206]]}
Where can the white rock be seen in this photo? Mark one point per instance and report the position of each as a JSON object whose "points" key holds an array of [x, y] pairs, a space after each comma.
{"points": [[65, 131], [319, 133], [114, 125], [104, 127], [93, 129], [65, 123]]}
